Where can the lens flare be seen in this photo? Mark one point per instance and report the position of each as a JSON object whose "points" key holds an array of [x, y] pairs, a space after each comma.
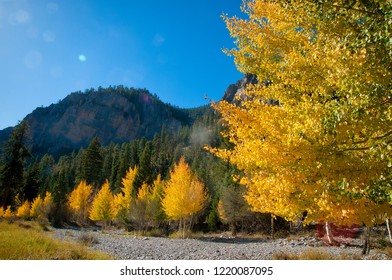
{"points": [[82, 58]]}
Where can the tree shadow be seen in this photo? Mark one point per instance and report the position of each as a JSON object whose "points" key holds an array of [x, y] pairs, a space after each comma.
{"points": [[233, 240]]}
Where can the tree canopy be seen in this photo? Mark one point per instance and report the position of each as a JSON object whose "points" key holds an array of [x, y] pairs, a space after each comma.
{"points": [[184, 196], [314, 136]]}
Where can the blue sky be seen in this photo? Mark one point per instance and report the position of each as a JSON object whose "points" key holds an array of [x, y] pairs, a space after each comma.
{"points": [[173, 48]]}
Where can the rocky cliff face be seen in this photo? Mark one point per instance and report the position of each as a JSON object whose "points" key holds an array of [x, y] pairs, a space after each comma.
{"points": [[114, 115], [235, 92]]}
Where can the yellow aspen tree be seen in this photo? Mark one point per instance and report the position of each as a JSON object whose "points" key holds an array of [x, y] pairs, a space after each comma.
{"points": [[102, 207], [122, 200], [314, 135], [184, 196], [157, 192], [127, 182], [36, 207], [146, 207], [47, 204], [79, 201], [42, 207], [23, 211], [140, 213], [8, 214], [1, 211]]}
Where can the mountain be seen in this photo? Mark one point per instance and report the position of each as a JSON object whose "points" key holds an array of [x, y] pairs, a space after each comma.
{"points": [[235, 92], [114, 114]]}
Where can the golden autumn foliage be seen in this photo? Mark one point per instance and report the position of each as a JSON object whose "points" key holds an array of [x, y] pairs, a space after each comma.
{"points": [[36, 207], [8, 213], [146, 207], [79, 201], [122, 201], [127, 182], [23, 211], [314, 135], [102, 207], [184, 196], [41, 207]]}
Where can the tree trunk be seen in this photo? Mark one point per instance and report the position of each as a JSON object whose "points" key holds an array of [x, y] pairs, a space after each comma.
{"points": [[389, 230], [272, 227], [327, 230], [367, 245], [331, 240]]}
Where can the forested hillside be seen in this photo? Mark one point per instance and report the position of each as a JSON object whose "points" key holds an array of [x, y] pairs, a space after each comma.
{"points": [[101, 134], [115, 115]]}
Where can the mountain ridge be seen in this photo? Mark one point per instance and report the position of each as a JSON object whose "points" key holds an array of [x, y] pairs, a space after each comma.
{"points": [[114, 114]]}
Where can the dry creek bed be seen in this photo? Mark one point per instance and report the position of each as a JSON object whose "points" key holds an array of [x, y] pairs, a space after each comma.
{"points": [[126, 246]]}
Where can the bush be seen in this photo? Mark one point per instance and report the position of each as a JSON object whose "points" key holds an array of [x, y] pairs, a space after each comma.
{"points": [[88, 239]]}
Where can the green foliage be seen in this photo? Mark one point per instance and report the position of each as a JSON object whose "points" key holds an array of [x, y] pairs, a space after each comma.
{"points": [[13, 165], [144, 172], [91, 165]]}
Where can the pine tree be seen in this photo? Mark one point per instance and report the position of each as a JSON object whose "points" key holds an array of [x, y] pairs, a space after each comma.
{"points": [[144, 172], [45, 167], [13, 167], [92, 163], [32, 181]]}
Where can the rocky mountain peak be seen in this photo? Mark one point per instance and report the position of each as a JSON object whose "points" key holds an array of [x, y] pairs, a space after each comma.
{"points": [[235, 92]]}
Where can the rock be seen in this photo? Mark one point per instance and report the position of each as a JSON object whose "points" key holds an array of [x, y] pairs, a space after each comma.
{"points": [[158, 248]]}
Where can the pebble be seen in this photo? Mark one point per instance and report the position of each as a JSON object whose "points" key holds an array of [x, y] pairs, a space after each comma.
{"points": [[126, 247]]}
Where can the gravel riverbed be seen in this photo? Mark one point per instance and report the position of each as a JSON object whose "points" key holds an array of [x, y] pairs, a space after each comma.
{"points": [[126, 246]]}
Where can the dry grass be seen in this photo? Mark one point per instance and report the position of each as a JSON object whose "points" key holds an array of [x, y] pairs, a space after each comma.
{"points": [[313, 254], [388, 252], [88, 239], [28, 241]]}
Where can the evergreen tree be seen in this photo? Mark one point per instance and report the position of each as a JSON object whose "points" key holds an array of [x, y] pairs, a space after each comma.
{"points": [[13, 167], [114, 169], [123, 163], [46, 166], [144, 172], [93, 163], [32, 182]]}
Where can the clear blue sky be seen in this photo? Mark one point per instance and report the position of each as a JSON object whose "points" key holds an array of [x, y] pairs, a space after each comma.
{"points": [[173, 48]]}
